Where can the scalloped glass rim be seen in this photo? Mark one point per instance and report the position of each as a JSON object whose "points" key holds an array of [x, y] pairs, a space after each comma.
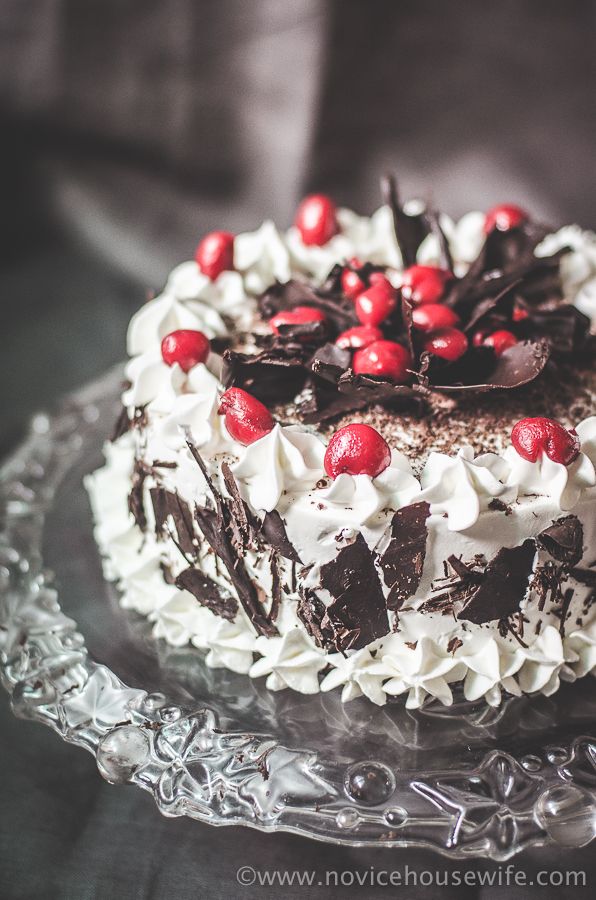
{"points": [[468, 780]]}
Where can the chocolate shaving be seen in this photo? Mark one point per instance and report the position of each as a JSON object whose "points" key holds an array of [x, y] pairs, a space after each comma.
{"points": [[564, 540], [497, 504], [357, 614], [275, 588], [503, 586], [208, 593], [565, 610], [274, 531], [547, 581], [505, 627], [403, 559], [443, 603], [136, 504], [454, 644], [123, 424], [167, 504], [311, 612]]}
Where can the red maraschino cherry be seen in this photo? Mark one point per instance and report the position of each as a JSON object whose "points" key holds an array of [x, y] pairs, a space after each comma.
{"points": [[351, 282], [377, 302], [434, 315], [520, 313], [316, 220], [247, 419], [386, 359], [185, 347], [531, 437], [357, 450], [504, 217], [500, 341], [359, 336], [448, 343], [424, 284], [300, 315], [215, 254]]}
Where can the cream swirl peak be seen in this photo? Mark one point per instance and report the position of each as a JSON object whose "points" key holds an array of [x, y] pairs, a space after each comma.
{"points": [[261, 501]]}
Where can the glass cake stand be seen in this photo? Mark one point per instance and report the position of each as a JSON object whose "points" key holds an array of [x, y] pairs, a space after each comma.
{"points": [[466, 780]]}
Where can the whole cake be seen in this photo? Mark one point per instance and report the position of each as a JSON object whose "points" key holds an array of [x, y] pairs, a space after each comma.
{"points": [[362, 454]]}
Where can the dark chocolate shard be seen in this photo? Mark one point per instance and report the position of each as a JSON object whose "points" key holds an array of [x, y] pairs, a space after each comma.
{"points": [[241, 520], [403, 560], [410, 231], [167, 573], [272, 376], [311, 332], [123, 424], [355, 392], [208, 593], [564, 540], [330, 358], [454, 644], [246, 589], [503, 586], [516, 366], [500, 305], [165, 504], [275, 588], [215, 525], [311, 612], [584, 576], [565, 327], [357, 614], [339, 311], [135, 499], [274, 531], [445, 258]]}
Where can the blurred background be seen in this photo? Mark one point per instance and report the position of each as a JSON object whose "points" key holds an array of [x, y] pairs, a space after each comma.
{"points": [[129, 128]]}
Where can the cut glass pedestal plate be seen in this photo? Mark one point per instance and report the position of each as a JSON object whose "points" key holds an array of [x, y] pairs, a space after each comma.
{"points": [[466, 780]]}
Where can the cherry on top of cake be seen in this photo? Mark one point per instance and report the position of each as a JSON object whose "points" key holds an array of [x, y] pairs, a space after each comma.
{"points": [[357, 342]]}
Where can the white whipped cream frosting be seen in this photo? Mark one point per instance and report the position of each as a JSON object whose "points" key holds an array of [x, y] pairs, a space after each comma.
{"points": [[461, 487], [286, 459], [284, 471], [551, 479]]}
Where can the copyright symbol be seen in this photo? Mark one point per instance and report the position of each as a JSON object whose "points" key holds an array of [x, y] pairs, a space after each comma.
{"points": [[246, 875]]}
